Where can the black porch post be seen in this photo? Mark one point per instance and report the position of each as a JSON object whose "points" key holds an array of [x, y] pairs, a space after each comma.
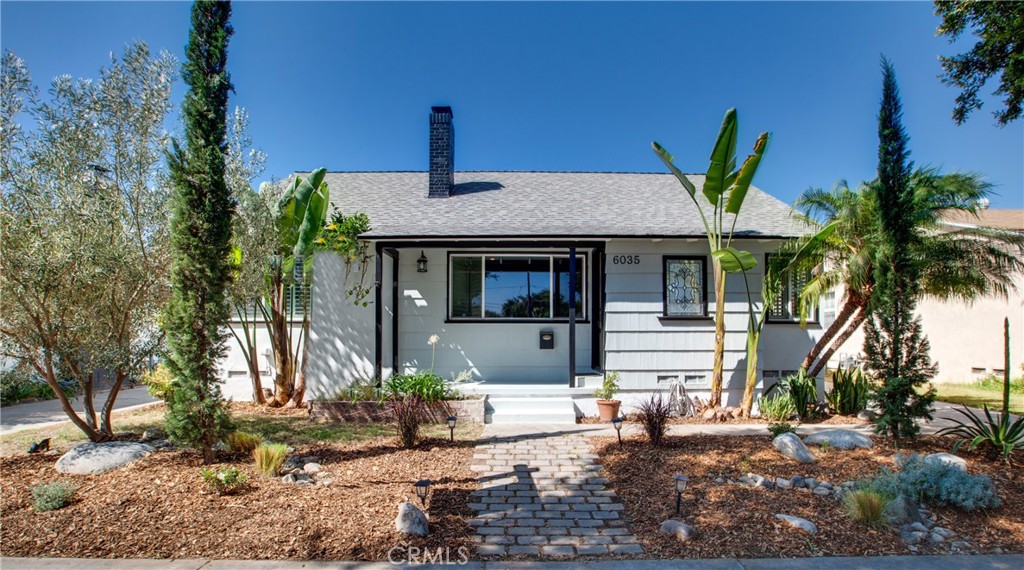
{"points": [[378, 311], [394, 311], [572, 316]]}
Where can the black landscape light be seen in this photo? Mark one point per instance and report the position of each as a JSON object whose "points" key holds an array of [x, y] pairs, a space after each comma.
{"points": [[617, 423], [422, 488], [681, 481], [451, 426], [421, 263]]}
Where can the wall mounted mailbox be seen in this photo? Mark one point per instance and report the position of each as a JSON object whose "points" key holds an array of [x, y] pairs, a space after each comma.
{"points": [[547, 340]]}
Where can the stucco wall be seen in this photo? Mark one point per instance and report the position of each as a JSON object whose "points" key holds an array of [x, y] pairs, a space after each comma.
{"points": [[966, 339]]}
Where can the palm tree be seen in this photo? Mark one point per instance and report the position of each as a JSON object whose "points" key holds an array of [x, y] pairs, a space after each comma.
{"points": [[962, 263]]}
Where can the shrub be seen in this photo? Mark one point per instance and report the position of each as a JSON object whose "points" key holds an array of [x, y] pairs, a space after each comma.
{"points": [[849, 393], [269, 458], [803, 390], [224, 481], [22, 383], [408, 414], [654, 413], [777, 408], [158, 381], [425, 386], [52, 496], [1000, 437], [778, 429], [936, 483], [609, 387], [242, 442], [866, 506]]}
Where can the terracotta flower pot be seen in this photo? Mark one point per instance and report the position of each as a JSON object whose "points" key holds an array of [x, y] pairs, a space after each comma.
{"points": [[608, 409]]}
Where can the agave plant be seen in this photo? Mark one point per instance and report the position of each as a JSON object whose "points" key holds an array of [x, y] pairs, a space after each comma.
{"points": [[1002, 436]]}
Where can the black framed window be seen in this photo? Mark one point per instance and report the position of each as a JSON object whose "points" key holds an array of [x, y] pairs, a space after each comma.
{"points": [[786, 308], [513, 287], [685, 287]]}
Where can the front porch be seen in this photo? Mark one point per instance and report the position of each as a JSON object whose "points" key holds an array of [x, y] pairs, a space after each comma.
{"points": [[509, 314]]}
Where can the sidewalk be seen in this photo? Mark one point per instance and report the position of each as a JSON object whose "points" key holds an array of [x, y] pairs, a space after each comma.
{"points": [[41, 414], [988, 562]]}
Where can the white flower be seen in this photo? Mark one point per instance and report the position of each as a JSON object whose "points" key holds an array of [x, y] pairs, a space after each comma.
{"points": [[433, 339]]}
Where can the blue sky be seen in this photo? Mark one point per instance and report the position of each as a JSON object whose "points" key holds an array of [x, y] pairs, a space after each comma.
{"points": [[561, 86]]}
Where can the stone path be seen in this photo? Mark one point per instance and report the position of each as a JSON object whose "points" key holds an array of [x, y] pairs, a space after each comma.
{"points": [[542, 495]]}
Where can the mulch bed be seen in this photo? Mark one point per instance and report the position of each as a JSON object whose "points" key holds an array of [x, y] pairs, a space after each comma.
{"points": [[158, 508], [737, 521]]}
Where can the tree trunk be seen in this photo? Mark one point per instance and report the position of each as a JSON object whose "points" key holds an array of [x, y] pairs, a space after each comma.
{"points": [[254, 375], [849, 308], [300, 380], [90, 409], [281, 339], [748, 391], [65, 404], [855, 324], [715, 399], [108, 406]]}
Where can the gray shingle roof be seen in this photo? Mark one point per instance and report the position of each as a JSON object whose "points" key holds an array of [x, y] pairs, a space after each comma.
{"points": [[543, 204]]}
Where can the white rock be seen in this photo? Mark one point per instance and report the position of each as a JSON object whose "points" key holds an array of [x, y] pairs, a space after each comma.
{"points": [[839, 439], [948, 459], [411, 520], [790, 445], [311, 468], [679, 529], [93, 458], [798, 523]]}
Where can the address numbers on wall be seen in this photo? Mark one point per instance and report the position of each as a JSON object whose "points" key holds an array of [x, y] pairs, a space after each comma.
{"points": [[625, 260]]}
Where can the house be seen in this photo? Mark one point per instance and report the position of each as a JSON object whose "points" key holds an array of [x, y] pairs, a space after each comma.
{"points": [[966, 339], [536, 283]]}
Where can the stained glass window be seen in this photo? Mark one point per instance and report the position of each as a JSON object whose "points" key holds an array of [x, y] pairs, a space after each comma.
{"points": [[685, 287]]}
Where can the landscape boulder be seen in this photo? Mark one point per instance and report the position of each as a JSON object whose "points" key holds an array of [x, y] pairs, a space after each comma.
{"points": [[682, 531], [903, 510], [948, 459], [411, 520], [94, 458], [798, 523], [790, 445], [839, 439]]}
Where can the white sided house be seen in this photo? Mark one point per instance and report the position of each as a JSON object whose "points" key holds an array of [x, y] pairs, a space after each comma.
{"points": [[538, 283]]}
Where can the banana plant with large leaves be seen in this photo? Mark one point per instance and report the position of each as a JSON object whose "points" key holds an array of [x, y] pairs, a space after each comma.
{"points": [[793, 256], [724, 191], [302, 213]]}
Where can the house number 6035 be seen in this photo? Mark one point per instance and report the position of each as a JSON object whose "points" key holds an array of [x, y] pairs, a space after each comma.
{"points": [[625, 259]]}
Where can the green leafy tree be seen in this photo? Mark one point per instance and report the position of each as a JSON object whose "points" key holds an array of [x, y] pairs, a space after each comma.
{"points": [[724, 191], [896, 350], [253, 242], [301, 214], [998, 51], [202, 210], [956, 263], [83, 225]]}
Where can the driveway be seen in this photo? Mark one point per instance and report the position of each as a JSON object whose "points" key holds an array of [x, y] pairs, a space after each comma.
{"points": [[41, 414]]}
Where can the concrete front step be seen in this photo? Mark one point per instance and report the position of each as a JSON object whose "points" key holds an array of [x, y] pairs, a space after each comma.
{"points": [[531, 410]]}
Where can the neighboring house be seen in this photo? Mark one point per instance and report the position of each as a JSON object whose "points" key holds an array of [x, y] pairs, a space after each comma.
{"points": [[538, 282], [967, 338]]}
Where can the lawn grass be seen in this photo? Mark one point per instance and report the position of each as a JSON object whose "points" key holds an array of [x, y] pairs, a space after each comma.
{"points": [[977, 394], [291, 429]]}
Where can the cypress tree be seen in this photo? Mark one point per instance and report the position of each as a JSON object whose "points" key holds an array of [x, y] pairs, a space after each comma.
{"points": [[201, 214], [895, 347]]}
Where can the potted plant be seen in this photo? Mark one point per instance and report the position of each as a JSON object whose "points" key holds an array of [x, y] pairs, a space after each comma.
{"points": [[607, 407]]}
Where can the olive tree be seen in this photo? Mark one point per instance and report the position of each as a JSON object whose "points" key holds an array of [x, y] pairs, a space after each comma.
{"points": [[83, 226]]}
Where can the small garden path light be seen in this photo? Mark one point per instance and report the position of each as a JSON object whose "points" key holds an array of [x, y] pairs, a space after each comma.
{"points": [[681, 481], [422, 488], [617, 423], [451, 426]]}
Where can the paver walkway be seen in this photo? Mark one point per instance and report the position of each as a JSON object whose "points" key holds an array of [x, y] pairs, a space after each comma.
{"points": [[541, 494]]}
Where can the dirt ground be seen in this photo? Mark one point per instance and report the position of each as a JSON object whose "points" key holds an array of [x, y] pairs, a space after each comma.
{"points": [[737, 521], [158, 508]]}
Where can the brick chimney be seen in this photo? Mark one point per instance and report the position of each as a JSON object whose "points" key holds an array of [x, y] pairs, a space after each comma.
{"points": [[442, 153]]}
